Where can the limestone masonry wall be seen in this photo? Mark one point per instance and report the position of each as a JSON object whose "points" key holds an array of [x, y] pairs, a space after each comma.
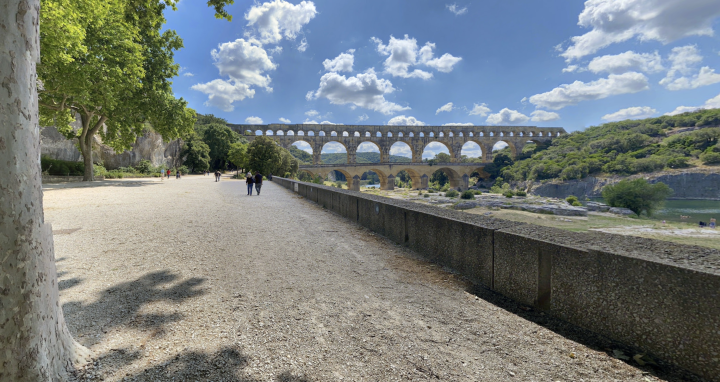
{"points": [[658, 296]]}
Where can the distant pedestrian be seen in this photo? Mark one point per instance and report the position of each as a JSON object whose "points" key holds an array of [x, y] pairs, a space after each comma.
{"points": [[168, 173], [177, 174], [713, 222], [258, 182], [270, 176], [217, 175], [249, 180]]}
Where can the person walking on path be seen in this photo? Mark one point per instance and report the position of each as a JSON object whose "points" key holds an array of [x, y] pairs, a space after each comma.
{"points": [[177, 174], [217, 175], [168, 173], [249, 180], [258, 182]]}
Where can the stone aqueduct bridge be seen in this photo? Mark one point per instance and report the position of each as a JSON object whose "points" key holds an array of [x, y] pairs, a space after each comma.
{"points": [[416, 137]]}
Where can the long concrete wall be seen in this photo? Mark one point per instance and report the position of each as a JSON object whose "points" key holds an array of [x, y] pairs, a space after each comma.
{"points": [[654, 295]]}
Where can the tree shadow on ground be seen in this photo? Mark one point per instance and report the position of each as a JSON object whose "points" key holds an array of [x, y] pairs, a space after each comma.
{"points": [[225, 365], [119, 305], [662, 370], [69, 283]]}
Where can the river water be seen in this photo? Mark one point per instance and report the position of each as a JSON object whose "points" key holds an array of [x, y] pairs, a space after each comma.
{"points": [[698, 210]]}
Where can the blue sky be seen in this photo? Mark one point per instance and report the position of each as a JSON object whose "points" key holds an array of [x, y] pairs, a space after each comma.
{"points": [[549, 63]]}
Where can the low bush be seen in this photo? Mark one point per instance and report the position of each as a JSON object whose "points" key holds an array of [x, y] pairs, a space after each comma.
{"points": [[521, 193], [571, 199], [445, 187], [467, 195], [576, 204], [477, 192], [508, 194], [61, 167], [451, 193], [426, 196]]}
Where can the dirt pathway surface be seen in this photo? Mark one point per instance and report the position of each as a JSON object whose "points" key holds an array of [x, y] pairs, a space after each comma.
{"points": [[192, 280]]}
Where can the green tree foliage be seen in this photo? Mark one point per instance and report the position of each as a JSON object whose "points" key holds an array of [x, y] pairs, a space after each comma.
{"points": [[196, 154], [266, 157], [237, 155], [622, 148], [638, 195], [219, 138], [111, 63], [302, 156], [500, 161]]}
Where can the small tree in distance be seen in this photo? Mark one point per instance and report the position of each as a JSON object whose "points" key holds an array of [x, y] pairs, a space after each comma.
{"points": [[637, 195]]}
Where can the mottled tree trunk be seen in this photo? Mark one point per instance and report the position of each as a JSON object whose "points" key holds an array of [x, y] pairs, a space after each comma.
{"points": [[35, 344], [85, 142]]}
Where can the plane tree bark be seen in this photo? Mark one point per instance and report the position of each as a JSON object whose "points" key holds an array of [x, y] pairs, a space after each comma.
{"points": [[36, 344]]}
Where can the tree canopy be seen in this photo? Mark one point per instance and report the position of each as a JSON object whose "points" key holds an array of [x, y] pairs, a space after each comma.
{"points": [[637, 195], [109, 63]]}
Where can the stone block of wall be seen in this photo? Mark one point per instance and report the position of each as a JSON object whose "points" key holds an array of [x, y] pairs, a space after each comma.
{"points": [[671, 311]]}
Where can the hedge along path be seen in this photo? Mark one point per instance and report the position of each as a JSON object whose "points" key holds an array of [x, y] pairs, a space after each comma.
{"points": [[192, 279]]}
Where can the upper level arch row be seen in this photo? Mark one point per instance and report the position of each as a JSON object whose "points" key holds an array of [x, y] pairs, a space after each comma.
{"points": [[417, 137]]}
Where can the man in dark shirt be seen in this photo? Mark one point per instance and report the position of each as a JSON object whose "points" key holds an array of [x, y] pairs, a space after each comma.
{"points": [[258, 182]]}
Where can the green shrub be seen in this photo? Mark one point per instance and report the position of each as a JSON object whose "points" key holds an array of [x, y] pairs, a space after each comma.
{"points": [[576, 204], [451, 193], [521, 193], [426, 196], [61, 167], [710, 157], [637, 195], [445, 187], [477, 192], [145, 167], [495, 189], [508, 194], [99, 170], [467, 195], [571, 199]]}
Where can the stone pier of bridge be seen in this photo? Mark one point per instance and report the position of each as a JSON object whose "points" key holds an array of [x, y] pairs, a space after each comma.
{"points": [[415, 137]]}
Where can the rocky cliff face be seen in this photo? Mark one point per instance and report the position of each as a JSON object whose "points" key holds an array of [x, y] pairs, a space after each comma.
{"points": [[686, 184], [150, 146]]}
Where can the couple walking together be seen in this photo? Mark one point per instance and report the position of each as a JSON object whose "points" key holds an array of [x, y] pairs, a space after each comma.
{"points": [[257, 180]]}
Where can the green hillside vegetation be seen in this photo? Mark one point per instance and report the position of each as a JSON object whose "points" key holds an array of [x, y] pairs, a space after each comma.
{"points": [[625, 148]]}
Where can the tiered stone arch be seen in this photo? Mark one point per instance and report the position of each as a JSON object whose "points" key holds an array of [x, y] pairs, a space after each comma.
{"points": [[417, 137]]}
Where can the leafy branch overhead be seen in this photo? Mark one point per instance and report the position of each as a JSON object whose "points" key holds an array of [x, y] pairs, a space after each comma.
{"points": [[110, 63]]}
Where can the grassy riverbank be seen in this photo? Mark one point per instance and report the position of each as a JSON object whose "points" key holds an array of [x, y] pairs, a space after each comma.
{"points": [[678, 232]]}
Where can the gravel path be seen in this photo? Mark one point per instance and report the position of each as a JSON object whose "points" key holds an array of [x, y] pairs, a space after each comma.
{"points": [[193, 280]]}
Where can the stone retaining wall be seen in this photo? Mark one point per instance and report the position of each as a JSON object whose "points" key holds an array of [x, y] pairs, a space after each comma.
{"points": [[658, 296]]}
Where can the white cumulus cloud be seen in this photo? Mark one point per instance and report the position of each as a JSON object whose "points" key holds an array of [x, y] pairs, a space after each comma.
{"points": [[614, 21], [458, 124], [447, 107], [456, 10], [277, 19], [188, 74], [342, 63], [402, 120], [625, 62], [544, 116], [303, 45], [363, 117], [404, 53], [571, 94], [480, 109], [284, 120], [507, 117], [311, 113], [364, 90], [683, 60], [245, 63], [254, 120], [712, 103], [636, 112], [222, 94]]}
